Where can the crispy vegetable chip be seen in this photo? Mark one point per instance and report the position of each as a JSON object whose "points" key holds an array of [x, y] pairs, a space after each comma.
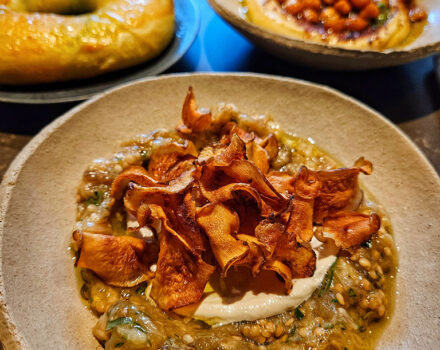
{"points": [[300, 225], [307, 183], [282, 182], [269, 232], [338, 187], [137, 194], [270, 145], [258, 155], [350, 229], [254, 259], [135, 174], [221, 224], [169, 157], [120, 261], [193, 120], [181, 276], [282, 270]]}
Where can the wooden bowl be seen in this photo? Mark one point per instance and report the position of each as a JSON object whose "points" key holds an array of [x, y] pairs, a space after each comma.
{"points": [[40, 305], [323, 56]]}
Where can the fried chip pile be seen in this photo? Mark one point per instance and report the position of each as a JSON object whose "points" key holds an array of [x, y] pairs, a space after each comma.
{"points": [[220, 206]]}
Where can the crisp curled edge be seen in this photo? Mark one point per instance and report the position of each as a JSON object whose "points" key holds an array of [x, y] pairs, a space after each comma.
{"points": [[120, 261], [193, 120], [350, 229], [181, 276]]}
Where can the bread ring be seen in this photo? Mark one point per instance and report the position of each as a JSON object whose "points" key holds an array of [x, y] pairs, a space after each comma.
{"points": [[41, 47]]}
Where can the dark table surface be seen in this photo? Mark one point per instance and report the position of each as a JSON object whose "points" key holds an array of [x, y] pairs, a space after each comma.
{"points": [[408, 95]]}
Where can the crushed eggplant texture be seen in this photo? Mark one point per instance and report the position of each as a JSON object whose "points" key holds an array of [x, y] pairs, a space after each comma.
{"points": [[348, 311]]}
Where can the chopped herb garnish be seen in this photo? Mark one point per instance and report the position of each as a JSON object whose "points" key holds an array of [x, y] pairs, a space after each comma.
{"points": [[335, 300], [351, 293], [298, 314], [383, 15], [329, 326], [291, 334], [141, 289], [367, 244], [361, 328], [378, 274], [328, 279], [144, 154], [139, 327], [96, 198], [118, 322], [118, 345]]}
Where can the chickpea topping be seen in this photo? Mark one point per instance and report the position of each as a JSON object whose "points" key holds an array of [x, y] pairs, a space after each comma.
{"points": [[340, 298], [303, 332], [279, 330], [381, 310], [289, 322], [311, 15], [365, 263], [375, 254], [373, 274], [254, 331], [343, 7], [417, 14], [365, 284], [356, 24], [328, 2], [319, 331], [265, 333], [338, 288], [355, 257], [237, 337], [387, 251], [312, 4], [360, 4], [364, 303], [188, 339], [370, 11]]}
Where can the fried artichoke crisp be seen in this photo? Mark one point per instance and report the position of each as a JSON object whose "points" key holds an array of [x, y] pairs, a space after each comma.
{"points": [[218, 205]]}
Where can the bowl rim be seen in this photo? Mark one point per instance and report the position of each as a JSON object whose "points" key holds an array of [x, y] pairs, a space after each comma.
{"points": [[9, 332], [317, 47]]}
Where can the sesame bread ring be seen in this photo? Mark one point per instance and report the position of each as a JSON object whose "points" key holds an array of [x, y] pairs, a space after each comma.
{"points": [[40, 44]]}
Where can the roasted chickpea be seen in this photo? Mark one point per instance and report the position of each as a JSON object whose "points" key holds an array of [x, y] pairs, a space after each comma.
{"points": [[311, 16], [294, 7], [343, 7], [335, 23], [360, 4], [417, 14], [327, 13], [312, 4], [329, 2], [371, 11], [356, 24]]}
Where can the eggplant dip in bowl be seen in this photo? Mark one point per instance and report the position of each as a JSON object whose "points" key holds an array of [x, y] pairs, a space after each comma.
{"points": [[229, 233]]}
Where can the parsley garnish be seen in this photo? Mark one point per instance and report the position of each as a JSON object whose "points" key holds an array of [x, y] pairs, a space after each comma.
{"points": [[124, 321], [351, 293], [328, 279], [335, 300], [291, 334], [298, 314], [118, 345], [141, 289], [96, 198], [329, 326]]}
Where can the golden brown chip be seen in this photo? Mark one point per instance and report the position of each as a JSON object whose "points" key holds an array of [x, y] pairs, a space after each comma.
{"points": [[269, 232], [193, 120], [220, 225], [338, 187], [254, 259], [301, 259], [282, 182], [120, 261], [236, 150], [300, 224], [350, 229], [258, 155], [181, 276], [136, 194], [169, 157], [230, 129], [270, 145], [307, 183], [135, 174], [282, 270]]}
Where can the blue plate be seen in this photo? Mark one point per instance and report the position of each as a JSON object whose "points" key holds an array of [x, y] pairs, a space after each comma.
{"points": [[187, 26]]}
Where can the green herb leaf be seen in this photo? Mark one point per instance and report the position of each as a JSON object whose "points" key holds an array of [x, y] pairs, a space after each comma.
{"points": [[291, 334], [329, 326], [361, 328], [96, 198], [367, 244], [141, 289], [378, 274], [118, 322], [328, 279], [335, 300], [118, 345], [139, 327], [383, 15], [351, 293], [298, 314]]}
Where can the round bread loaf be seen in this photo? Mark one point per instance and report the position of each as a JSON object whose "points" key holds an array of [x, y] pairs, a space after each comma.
{"points": [[44, 41]]}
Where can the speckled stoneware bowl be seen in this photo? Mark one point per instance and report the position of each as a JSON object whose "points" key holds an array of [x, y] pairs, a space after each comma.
{"points": [[327, 57], [40, 306]]}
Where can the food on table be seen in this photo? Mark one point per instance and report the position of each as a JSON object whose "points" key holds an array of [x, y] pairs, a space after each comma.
{"points": [[351, 24], [48, 41], [231, 233]]}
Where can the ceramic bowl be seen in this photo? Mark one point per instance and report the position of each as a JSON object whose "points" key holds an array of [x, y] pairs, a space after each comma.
{"points": [[40, 305], [322, 56]]}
